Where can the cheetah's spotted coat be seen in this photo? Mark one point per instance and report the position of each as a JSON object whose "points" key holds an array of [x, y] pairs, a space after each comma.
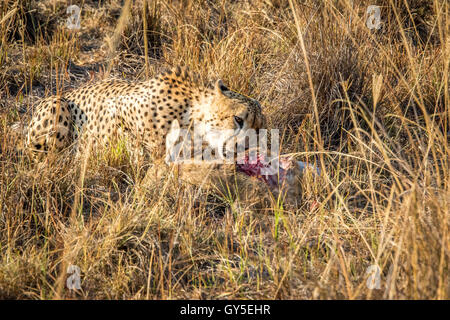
{"points": [[145, 109]]}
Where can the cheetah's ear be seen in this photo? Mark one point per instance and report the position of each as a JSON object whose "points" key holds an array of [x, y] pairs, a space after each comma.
{"points": [[220, 87]]}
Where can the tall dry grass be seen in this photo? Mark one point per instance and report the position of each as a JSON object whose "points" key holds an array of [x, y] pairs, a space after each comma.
{"points": [[370, 107]]}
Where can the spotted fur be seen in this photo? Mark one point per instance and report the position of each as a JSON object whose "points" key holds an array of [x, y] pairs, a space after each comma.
{"points": [[147, 109]]}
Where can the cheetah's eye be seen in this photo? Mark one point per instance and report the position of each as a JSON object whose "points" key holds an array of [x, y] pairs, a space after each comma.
{"points": [[239, 121]]}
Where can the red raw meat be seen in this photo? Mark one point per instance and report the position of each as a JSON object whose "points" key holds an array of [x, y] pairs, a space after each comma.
{"points": [[261, 169]]}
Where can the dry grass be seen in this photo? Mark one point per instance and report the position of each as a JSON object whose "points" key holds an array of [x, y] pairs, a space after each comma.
{"points": [[370, 107]]}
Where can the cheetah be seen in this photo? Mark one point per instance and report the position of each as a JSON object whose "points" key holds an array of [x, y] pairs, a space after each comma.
{"points": [[147, 110]]}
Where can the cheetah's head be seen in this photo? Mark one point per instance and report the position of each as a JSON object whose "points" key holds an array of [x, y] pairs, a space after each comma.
{"points": [[233, 117]]}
